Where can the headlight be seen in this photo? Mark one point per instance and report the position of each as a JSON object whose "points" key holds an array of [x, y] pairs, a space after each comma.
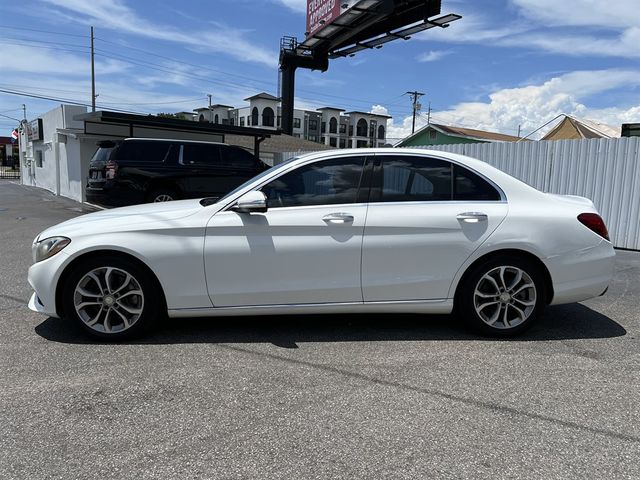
{"points": [[48, 247]]}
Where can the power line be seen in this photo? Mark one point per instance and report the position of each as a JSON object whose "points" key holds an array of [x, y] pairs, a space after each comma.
{"points": [[44, 31]]}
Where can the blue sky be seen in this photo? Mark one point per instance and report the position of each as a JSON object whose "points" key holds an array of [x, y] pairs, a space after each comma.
{"points": [[506, 63]]}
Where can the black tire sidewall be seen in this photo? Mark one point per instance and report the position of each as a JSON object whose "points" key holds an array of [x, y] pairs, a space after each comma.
{"points": [[466, 308], [151, 310]]}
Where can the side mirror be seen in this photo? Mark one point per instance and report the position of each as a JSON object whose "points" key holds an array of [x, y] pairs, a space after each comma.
{"points": [[251, 202]]}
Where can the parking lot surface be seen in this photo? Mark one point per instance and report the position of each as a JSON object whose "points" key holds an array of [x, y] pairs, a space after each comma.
{"points": [[305, 397]]}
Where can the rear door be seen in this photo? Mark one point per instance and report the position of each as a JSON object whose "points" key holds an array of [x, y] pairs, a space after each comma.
{"points": [[426, 217]]}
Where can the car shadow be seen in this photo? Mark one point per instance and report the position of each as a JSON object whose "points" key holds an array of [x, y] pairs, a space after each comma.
{"points": [[574, 321]]}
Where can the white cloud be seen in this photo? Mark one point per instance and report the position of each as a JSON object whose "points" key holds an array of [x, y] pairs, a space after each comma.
{"points": [[576, 28], [432, 55], [117, 15], [533, 105], [379, 110]]}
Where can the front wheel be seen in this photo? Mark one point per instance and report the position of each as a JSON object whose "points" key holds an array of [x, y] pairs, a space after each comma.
{"points": [[111, 298], [162, 195], [503, 296]]}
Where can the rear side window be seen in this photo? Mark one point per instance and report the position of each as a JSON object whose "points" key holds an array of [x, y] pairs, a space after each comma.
{"points": [[470, 186], [102, 154], [139, 151], [423, 179], [201, 154], [235, 157], [412, 179]]}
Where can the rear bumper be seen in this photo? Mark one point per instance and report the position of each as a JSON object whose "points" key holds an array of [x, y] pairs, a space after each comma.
{"points": [[582, 274], [113, 195]]}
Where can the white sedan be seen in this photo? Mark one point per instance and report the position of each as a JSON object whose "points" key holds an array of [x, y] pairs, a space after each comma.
{"points": [[345, 231]]}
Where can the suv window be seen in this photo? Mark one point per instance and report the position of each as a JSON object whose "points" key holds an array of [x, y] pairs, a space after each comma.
{"points": [[201, 154], [470, 186], [143, 151], [236, 157], [412, 179], [322, 183]]}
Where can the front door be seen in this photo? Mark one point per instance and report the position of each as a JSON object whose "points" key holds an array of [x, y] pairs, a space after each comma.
{"points": [[304, 250]]}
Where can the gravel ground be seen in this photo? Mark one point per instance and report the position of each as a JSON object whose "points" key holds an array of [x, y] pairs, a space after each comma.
{"points": [[368, 396]]}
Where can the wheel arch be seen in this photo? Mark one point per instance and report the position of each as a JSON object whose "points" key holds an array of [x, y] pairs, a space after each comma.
{"points": [[68, 269], [548, 283]]}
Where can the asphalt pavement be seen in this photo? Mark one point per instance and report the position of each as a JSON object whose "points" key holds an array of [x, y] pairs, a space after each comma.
{"points": [[314, 397]]}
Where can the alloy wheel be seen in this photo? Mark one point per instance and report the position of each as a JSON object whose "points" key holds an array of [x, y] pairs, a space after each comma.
{"points": [[163, 197], [108, 300], [505, 297]]}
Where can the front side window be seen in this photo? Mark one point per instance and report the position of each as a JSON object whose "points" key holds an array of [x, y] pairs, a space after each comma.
{"points": [[322, 183]]}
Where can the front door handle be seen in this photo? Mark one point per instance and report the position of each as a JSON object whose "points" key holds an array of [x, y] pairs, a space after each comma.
{"points": [[472, 217], [338, 218]]}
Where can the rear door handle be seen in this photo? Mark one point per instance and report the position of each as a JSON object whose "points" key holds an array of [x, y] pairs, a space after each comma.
{"points": [[338, 218], [472, 217]]}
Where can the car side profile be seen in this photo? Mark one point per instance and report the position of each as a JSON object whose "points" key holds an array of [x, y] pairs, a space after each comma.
{"points": [[141, 170], [375, 230]]}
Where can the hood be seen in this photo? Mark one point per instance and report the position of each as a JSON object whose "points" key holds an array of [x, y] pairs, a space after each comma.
{"points": [[125, 218]]}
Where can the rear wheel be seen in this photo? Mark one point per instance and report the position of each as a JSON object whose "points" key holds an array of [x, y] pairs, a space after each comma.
{"points": [[111, 298], [163, 194], [502, 296]]}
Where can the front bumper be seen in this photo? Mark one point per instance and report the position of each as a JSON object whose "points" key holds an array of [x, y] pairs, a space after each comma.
{"points": [[43, 278]]}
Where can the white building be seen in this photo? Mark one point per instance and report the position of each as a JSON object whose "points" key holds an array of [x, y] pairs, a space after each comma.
{"points": [[328, 125]]}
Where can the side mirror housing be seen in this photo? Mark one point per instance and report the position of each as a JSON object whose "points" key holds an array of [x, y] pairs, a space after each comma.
{"points": [[251, 202]]}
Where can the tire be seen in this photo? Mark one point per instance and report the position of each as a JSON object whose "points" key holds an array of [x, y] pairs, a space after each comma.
{"points": [[162, 194], [483, 299], [122, 309]]}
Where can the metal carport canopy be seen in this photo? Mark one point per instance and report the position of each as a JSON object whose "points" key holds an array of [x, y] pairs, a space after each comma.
{"points": [[126, 125]]}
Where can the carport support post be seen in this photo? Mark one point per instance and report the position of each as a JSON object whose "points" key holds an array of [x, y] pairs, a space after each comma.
{"points": [[256, 145]]}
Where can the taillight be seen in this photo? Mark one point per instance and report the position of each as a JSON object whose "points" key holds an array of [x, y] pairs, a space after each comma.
{"points": [[111, 169], [594, 222]]}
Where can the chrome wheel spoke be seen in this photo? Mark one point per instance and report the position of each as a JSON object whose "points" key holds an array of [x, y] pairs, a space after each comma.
{"points": [[527, 303], [522, 315], [95, 278], [485, 305], [130, 292], [125, 320], [517, 280], [523, 287], [131, 310], [86, 293], [125, 283], [88, 304], [501, 276], [505, 317]]}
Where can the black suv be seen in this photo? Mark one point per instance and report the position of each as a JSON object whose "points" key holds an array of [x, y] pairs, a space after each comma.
{"points": [[138, 170]]}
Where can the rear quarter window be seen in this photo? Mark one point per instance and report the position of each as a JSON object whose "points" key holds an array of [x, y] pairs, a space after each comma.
{"points": [[471, 186], [236, 157]]}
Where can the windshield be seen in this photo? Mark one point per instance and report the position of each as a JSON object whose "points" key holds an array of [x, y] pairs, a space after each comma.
{"points": [[257, 177]]}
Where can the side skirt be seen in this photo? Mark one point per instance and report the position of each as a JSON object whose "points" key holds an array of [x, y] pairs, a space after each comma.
{"points": [[415, 306]]}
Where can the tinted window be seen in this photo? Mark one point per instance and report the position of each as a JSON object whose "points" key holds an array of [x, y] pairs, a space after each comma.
{"points": [[102, 154], [323, 183], [412, 179], [201, 154], [143, 151], [235, 157], [470, 186]]}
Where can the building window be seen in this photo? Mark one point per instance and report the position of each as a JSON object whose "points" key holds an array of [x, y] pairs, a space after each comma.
{"points": [[296, 123], [254, 116], [216, 119], [313, 124], [333, 125], [343, 128], [362, 144], [268, 117], [242, 121], [351, 130], [433, 134], [231, 121], [39, 158], [324, 127], [279, 121], [381, 132], [201, 118], [361, 128], [333, 141], [343, 143]]}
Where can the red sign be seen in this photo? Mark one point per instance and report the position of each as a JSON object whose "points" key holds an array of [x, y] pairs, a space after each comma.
{"points": [[321, 13]]}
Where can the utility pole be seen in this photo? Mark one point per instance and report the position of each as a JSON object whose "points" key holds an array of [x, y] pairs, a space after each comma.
{"points": [[24, 112], [519, 130], [210, 114], [429, 115], [93, 76], [415, 95]]}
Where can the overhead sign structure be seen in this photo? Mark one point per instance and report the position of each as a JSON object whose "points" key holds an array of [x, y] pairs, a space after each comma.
{"points": [[320, 13], [34, 129]]}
